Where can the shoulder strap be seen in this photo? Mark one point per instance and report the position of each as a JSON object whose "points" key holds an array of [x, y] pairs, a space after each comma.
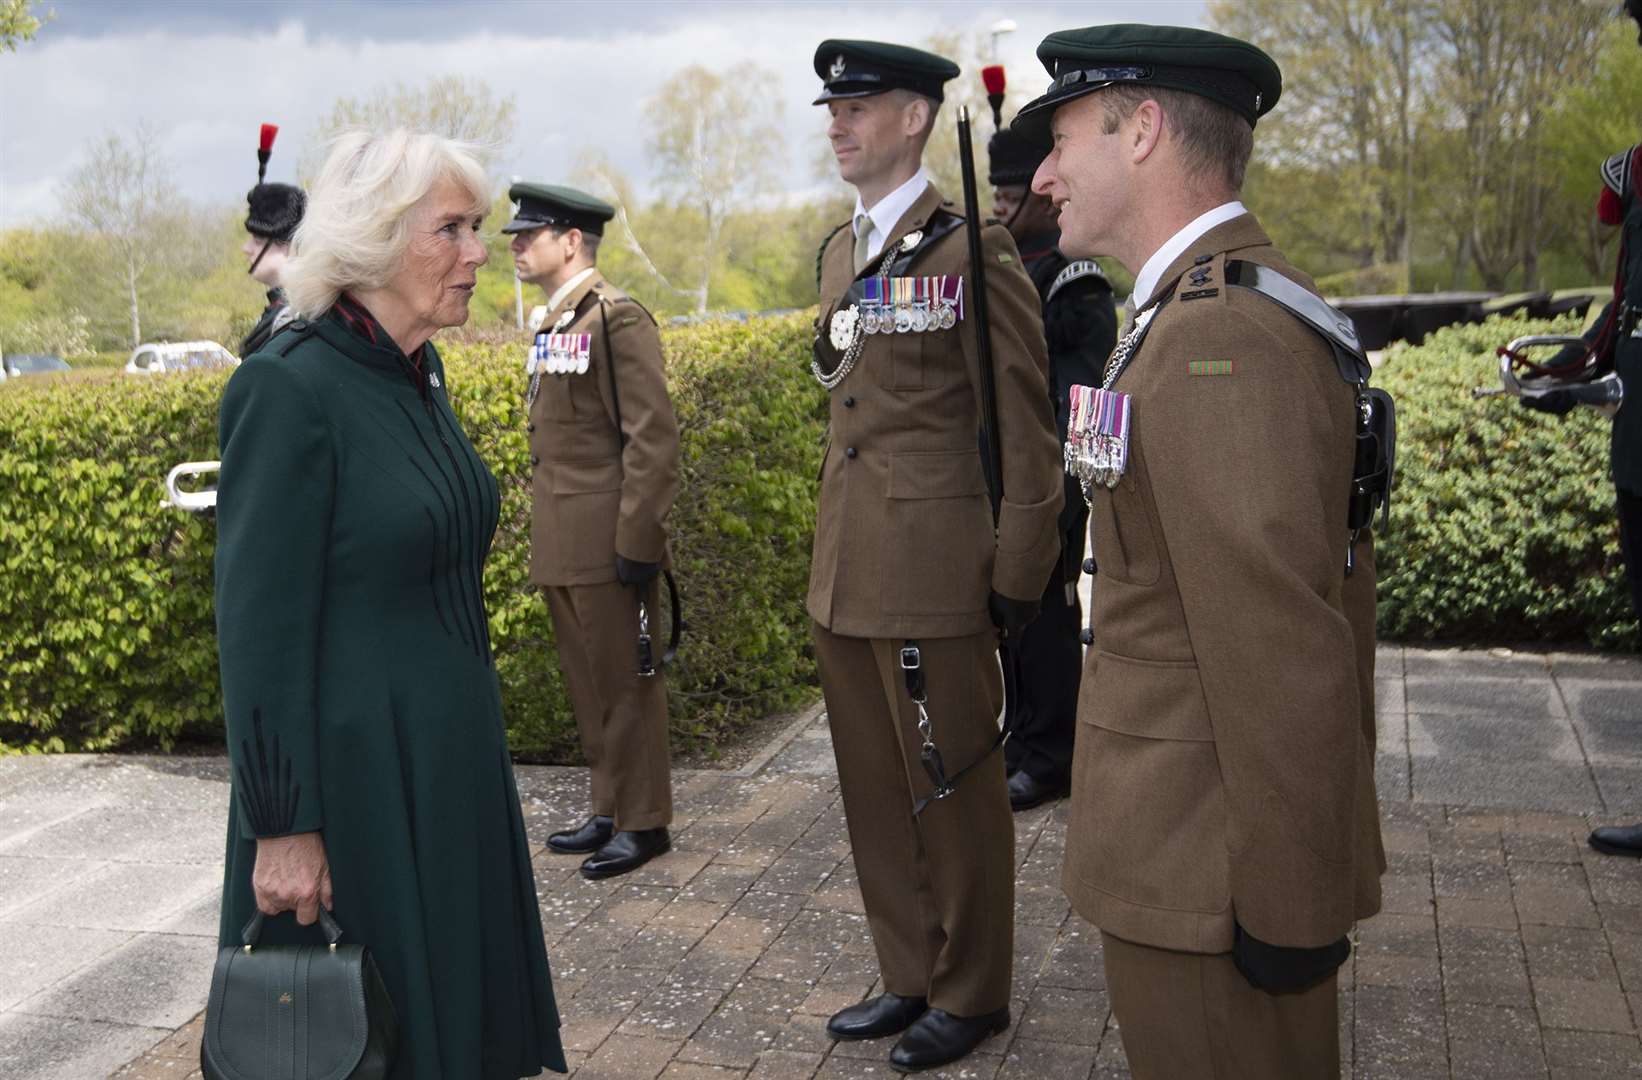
{"points": [[300, 330], [610, 364], [1334, 325], [1080, 268], [822, 250]]}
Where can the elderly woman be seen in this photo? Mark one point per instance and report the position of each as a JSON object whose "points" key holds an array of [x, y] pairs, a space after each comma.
{"points": [[370, 767]]}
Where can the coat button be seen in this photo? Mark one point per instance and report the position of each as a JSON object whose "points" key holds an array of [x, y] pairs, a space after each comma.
{"points": [[849, 403], [1087, 636], [1088, 566], [849, 452], [534, 460]]}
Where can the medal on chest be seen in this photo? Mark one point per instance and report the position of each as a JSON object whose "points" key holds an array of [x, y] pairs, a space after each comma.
{"points": [[1097, 437], [554, 353]]}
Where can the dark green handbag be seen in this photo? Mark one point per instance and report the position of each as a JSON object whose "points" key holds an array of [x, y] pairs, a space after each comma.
{"points": [[298, 1011]]}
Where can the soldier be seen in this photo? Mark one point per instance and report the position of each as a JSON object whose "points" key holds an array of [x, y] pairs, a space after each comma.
{"points": [[604, 455], [911, 578], [1224, 833], [1080, 325], [276, 211]]}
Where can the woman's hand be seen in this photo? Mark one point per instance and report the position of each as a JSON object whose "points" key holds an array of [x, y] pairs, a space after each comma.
{"points": [[292, 874]]}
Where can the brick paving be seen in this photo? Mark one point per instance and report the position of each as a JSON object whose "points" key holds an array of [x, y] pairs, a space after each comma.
{"points": [[1506, 948]]}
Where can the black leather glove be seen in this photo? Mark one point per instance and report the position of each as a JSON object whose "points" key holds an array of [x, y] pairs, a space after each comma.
{"points": [[629, 572], [1557, 403], [1011, 615], [1280, 969]]}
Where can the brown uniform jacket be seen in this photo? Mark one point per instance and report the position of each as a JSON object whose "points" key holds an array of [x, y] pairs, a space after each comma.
{"points": [[593, 496], [1225, 755], [904, 540]]}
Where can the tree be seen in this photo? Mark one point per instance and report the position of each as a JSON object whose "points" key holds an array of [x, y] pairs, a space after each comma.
{"points": [[715, 138], [123, 194], [451, 106], [17, 25]]}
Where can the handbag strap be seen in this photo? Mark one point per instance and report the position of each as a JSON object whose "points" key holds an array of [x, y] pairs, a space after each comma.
{"points": [[327, 922]]}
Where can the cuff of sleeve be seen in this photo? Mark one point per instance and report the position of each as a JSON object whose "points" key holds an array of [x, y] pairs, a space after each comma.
{"points": [[312, 821], [1028, 544], [1285, 894], [641, 543]]}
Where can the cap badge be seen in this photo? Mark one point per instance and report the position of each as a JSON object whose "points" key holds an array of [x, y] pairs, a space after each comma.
{"points": [[837, 69], [911, 239], [1257, 101]]}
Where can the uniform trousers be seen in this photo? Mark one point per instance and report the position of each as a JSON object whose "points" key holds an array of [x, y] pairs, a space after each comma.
{"points": [[1192, 1016], [1630, 543], [939, 887], [1048, 661], [621, 716]]}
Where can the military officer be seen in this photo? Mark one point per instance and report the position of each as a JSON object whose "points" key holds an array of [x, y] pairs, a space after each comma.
{"points": [[1080, 325], [275, 212], [911, 580], [604, 455], [1224, 833]]}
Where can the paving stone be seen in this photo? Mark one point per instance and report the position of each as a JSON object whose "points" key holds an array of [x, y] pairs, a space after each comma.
{"points": [[1582, 1005], [27, 880], [1488, 663], [784, 1065], [123, 896], [1487, 1042], [1484, 967], [1457, 911], [1561, 952], [54, 1048], [629, 1057], [1075, 1017], [35, 957], [1389, 969], [154, 980], [1409, 935], [1482, 696], [1494, 738], [1400, 1033], [745, 1023], [1589, 1053]]}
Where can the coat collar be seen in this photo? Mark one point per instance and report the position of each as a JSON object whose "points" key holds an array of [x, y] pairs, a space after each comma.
{"points": [[917, 216], [1242, 231], [574, 298]]}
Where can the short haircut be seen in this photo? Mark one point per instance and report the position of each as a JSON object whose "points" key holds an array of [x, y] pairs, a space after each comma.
{"points": [[590, 241], [904, 97], [1214, 140], [357, 224]]}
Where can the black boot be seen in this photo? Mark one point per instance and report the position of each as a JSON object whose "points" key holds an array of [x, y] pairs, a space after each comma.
{"points": [[1027, 791], [594, 833], [626, 851], [1618, 840], [938, 1038], [886, 1014]]}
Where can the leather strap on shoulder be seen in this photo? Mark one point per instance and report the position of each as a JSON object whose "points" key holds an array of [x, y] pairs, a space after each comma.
{"points": [[1334, 325]]}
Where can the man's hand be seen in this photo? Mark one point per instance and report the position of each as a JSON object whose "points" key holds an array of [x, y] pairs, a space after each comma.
{"points": [[629, 572], [292, 874], [1557, 402], [1280, 969], [1011, 615]]}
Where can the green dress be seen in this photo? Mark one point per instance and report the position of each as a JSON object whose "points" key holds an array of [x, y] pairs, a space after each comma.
{"points": [[360, 693]]}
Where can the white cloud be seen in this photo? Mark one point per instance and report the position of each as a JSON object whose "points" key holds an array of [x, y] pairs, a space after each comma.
{"points": [[206, 89]]}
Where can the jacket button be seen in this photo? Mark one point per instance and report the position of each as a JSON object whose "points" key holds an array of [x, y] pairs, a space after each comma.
{"points": [[1089, 566], [530, 428], [849, 452], [849, 403], [1087, 636], [534, 460]]}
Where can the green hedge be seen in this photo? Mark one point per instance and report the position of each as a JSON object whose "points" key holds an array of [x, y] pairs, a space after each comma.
{"points": [[106, 632], [1503, 525]]}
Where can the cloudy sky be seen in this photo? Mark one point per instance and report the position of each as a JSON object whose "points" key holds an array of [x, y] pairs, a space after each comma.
{"points": [[205, 73]]}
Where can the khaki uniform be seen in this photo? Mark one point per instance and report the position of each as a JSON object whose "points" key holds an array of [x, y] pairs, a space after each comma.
{"points": [[594, 497], [1224, 768], [905, 550]]}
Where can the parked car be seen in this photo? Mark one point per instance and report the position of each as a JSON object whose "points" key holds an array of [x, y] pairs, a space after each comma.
{"points": [[18, 364], [161, 356]]}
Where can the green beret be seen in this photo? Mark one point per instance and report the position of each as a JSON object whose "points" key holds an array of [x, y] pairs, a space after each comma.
{"points": [[556, 206], [1223, 69], [852, 69]]}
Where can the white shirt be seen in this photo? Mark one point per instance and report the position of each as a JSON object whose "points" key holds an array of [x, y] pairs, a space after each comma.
{"points": [[889, 210], [1146, 281], [568, 287]]}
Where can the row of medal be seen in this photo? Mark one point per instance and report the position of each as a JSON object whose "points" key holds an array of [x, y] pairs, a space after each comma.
{"points": [[1097, 436], [559, 354], [903, 305]]}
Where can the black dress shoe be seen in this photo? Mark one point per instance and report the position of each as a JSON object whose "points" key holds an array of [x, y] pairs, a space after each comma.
{"points": [[886, 1014], [625, 851], [1027, 791], [938, 1038], [594, 833], [1618, 840]]}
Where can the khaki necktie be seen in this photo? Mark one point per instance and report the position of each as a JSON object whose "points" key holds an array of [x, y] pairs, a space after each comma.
{"points": [[863, 231]]}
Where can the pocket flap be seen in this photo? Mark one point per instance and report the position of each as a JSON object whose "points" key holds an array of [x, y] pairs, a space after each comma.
{"points": [[946, 475], [583, 477], [1149, 699]]}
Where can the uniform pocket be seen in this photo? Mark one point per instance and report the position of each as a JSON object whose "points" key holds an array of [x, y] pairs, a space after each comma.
{"points": [[915, 361], [938, 538], [1151, 824], [587, 502], [1124, 533]]}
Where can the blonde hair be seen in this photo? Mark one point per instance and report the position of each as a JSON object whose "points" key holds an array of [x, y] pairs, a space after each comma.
{"points": [[357, 223], [1215, 141]]}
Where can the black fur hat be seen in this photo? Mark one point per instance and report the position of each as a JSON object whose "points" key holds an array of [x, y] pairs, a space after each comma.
{"points": [[276, 209]]}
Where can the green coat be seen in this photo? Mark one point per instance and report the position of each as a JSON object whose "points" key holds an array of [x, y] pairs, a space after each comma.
{"points": [[360, 693]]}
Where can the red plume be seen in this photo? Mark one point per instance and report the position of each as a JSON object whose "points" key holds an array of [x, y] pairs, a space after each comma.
{"points": [[267, 142], [992, 76]]}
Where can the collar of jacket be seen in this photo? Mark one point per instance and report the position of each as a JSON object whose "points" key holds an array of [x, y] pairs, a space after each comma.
{"points": [[573, 301], [917, 217], [1242, 231], [383, 359]]}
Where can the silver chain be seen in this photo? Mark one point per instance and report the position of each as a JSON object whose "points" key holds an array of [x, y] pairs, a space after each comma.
{"points": [[847, 363]]}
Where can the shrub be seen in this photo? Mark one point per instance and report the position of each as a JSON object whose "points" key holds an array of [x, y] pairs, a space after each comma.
{"points": [[106, 623], [1503, 523]]}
